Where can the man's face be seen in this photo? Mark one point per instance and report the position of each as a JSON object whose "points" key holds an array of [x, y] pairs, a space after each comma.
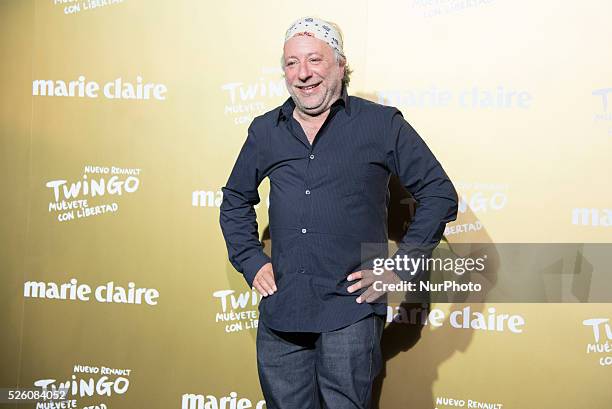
{"points": [[312, 75]]}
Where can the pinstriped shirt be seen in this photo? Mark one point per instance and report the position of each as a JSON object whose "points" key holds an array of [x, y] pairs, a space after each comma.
{"points": [[327, 199]]}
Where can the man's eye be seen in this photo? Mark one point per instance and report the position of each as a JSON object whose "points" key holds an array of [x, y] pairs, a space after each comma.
{"points": [[290, 63], [315, 60]]}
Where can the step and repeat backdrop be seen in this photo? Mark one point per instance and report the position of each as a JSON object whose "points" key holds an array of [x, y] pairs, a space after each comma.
{"points": [[121, 120]]}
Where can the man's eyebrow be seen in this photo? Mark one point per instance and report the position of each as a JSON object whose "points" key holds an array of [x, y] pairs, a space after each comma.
{"points": [[307, 55]]}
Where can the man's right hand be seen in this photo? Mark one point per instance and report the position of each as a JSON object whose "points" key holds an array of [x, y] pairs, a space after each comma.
{"points": [[264, 280]]}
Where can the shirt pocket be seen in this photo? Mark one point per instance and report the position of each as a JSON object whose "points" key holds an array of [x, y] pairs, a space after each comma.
{"points": [[364, 179]]}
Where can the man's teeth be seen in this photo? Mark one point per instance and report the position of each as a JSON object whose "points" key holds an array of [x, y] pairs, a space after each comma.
{"points": [[310, 86]]}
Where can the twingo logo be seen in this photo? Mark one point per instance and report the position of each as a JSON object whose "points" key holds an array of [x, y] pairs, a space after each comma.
{"points": [[86, 381], [70, 199], [482, 197], [479, 198], [116, 89], [210, 198], [583, 216], [247, 100], [76, 6], [469, 403], [192, 401], [606, 111], [473, 97], [605, 114], [602, 336], [237, 312]]}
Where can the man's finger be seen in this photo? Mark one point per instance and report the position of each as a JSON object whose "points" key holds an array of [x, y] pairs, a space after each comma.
{"points": [[259, 288], [273, 279], [369, 295], [354, 287], [355, 275], [265, 287], [363, 283], [364, 295], [268, 279]]}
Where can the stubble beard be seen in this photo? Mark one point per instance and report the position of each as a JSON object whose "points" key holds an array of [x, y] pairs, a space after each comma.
{"points": [[328, 98]]}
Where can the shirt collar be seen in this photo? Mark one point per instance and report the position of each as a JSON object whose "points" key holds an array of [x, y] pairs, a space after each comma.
{"points": [[286, 110]]}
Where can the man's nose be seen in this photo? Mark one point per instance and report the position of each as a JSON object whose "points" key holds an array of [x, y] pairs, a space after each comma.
{"points": [[304, 72]]}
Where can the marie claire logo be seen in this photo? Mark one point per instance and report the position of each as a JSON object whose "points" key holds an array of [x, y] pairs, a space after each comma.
{"points": [[193, 401], [465, 318], [602, 336], [76, 6], [86, 381], [584, 216], [206, 198], [246, 100], [108, 293], [115, 89], [238, 311], [474, 97], [212, 198], [71, 199], [436, 8]]}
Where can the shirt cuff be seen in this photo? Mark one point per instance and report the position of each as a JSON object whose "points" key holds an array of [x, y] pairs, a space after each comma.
{"points": [[252, 266], [413, 252]]}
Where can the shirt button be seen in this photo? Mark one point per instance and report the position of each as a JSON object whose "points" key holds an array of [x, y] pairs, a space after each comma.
{"points": [[307, 192], [311, 156], [304, 231]]}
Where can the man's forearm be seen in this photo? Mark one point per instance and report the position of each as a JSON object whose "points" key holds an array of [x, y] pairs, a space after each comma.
{"points": [[239, 226]]}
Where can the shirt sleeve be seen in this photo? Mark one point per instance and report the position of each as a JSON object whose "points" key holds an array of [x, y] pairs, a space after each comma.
{"points": [[238, 218], [410, 159]]}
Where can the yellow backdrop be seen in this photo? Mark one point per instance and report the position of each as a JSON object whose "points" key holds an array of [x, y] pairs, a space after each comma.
{"points": [[121, 121]]}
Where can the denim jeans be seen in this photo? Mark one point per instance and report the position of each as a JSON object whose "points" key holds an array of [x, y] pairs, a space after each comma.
{"points": [[305, 370]]}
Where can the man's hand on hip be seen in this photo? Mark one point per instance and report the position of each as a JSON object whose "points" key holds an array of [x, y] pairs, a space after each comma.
{"points": [[264, 280], [366, 280]]}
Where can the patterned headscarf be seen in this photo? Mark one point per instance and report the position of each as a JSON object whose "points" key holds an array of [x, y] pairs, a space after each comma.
{"points": [[314, 27]]}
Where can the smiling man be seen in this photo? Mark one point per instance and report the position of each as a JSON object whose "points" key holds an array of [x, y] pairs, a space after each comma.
{"points": [[329, 157]]}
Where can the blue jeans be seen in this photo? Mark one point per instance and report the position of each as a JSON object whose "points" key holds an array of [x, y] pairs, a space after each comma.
{"points": [[305, 370]]}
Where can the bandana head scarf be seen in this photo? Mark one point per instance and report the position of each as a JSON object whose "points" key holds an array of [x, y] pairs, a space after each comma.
{"points": [[321, 29]]}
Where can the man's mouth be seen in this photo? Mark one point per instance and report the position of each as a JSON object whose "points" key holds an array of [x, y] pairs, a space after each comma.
{"points": [[308, 87]]}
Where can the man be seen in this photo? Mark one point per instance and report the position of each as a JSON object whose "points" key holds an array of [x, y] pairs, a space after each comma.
{"points": [[329, 158]]}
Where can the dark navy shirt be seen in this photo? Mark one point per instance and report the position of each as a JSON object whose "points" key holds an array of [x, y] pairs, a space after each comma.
{"points": [[326, 199]]}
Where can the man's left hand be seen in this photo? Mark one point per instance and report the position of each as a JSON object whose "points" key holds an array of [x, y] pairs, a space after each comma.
{"points": [[366, 280]]}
